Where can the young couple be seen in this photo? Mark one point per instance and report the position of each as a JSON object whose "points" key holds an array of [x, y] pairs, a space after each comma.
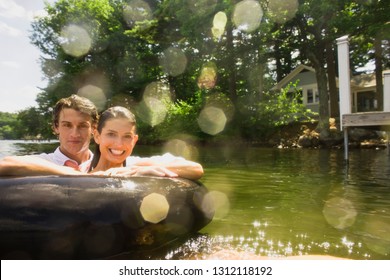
{"points": [[75, 120]]}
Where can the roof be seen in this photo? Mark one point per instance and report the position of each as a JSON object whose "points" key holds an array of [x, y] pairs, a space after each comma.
{"points": [[283, 83], [363, 81], [358, 82]]}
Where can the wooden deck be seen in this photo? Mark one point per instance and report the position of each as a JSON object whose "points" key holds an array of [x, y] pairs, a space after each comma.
{"points": [[373, 119], [366, 119]]}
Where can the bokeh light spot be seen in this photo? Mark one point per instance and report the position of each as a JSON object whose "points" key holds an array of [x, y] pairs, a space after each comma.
{"points": [[181, 148], [220, 100], [154, 106], [75, 40], [205, 203], [212, 120], [247, 15], [201, 7], [216, 203], [154, 208], [173, 61], [95, 94], [208, 76], [339, 212], [152, 111], [136, 12], [219, 24], [282, 10]]}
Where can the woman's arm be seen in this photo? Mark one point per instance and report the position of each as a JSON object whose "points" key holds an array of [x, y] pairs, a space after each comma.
{"points": [[180, 166], [157, 166]]}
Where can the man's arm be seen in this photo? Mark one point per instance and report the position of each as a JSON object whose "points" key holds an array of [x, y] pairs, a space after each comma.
{"points": [[32, 165]]}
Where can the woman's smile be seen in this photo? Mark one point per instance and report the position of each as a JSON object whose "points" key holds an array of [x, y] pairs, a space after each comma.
{"points": [[117, 152]]}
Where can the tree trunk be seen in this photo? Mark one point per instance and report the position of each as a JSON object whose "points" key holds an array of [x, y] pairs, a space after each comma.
{"points": [[316, 58], [322, 83], [333, 92], [231, 63], [279, 70], [378, 72]]}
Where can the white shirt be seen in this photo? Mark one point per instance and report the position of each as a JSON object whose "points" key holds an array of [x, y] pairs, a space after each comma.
{"points": [[165, 158], [59, 158]]}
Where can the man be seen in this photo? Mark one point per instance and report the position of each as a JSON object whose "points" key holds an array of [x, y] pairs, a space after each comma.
{"points": [[74, 120]]}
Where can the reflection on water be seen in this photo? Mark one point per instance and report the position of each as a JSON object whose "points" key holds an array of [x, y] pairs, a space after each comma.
{"points": [[273, 202], [21, 147]]}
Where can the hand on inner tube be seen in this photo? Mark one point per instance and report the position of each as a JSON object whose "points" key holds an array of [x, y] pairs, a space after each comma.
{"points": [[138, 171]]}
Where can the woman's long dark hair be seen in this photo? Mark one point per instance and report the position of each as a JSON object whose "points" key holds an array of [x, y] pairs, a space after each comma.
{"points": [[117, 112]]}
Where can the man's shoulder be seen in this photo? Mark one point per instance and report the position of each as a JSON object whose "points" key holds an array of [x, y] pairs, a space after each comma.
{"points": [[56, 157]]}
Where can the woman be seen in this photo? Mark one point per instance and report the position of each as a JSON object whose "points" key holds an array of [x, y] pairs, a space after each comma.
{"points": [[115, 138]]}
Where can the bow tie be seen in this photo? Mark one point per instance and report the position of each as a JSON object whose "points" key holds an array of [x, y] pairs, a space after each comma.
{"points": [[72, 164]]}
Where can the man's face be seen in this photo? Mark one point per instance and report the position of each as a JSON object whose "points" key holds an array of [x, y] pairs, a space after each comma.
{"points": [[74, 131]]}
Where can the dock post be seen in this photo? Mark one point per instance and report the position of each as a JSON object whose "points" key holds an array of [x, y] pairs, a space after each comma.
{"points": [[386, 103], [386, 91], [344, 84], [346, 158]]}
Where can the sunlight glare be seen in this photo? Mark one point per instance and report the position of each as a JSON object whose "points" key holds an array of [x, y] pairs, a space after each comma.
{"points": [[208, 76], [136, 12], [75, 40], [181, 148], [212, 120], [219, 24], [95, 94], [154, 208], [220, 100], [154, 106], [282, 10], [339, 212], [247, 15], [173, 61], [201, 7], [217, 201]]}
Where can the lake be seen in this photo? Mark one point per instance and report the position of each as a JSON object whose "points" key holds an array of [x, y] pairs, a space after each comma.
{"points": [[282, 202]]}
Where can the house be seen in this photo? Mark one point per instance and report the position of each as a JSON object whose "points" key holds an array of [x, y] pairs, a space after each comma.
{"points": [[363, 88]]}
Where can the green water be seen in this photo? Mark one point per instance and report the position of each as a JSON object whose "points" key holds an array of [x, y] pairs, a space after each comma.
{"points": [[293, 202], [274, 202]]}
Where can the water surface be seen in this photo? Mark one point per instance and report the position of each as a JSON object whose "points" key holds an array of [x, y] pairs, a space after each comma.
{"points": [[283, 202]]}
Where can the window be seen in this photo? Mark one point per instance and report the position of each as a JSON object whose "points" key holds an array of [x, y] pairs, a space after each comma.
{"points": [[312, 96]]}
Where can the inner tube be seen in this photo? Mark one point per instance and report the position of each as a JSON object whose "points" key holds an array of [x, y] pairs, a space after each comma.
{"points": [[95, 217]]}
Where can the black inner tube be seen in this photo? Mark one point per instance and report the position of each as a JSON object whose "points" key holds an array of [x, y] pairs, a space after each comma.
{"points": [[94, 217]]}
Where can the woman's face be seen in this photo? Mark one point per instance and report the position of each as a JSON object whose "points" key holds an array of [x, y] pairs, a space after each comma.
{"points": [[116, 140]]}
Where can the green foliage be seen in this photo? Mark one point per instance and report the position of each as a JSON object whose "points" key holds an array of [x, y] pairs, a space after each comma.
{"points": [[9, 126], [181, 118], [125, 57], [35, 124], [275, 111]]}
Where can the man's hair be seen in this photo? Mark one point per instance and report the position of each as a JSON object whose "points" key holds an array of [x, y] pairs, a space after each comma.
{"points": [[78, 103]]}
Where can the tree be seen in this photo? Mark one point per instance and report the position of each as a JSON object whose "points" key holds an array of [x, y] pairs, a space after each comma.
{"points": [[9, 126], [313, 32], [127, 45], [370, 35], [34, 124]]}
